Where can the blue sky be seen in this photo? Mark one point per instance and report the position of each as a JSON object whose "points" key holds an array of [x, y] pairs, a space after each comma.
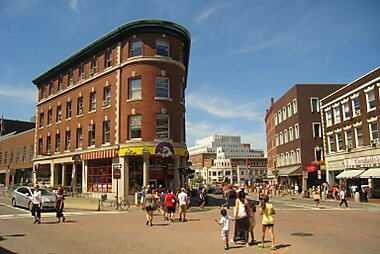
{"points": [[243, 52]]}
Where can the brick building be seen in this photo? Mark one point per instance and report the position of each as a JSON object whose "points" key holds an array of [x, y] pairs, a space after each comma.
{"points": [[351, 133], [117, 103], [295, 140], [16, 152]]}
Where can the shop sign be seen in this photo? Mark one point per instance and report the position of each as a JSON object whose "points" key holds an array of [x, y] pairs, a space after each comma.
{"points": [[365, 161], [335, 165], [164, 149], [311, 168]]}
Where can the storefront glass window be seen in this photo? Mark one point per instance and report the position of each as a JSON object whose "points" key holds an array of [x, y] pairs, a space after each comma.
{"points": [[99, 176], [135, 174]]}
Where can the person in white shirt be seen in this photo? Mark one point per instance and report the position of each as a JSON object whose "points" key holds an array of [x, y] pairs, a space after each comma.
{"points": [[342, 194], [183, 200], [225, 222], [36, 200]]}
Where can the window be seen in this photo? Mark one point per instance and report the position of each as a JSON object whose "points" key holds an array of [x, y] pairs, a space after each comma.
{"points": [[59, 114], [134, 126], [296, 131], [94, 66], [48, 144], [71, 78], [281, 138], [328, 118], [286, 137], [92, 101], [68, 140], [355, 106], [162, 126], [50, 116], [17, 155], [80, 106], [339, 141], [318, 153], [298, 155], [277, 140], [106, 132], [78, 143], [106, 96], [31, 151], [317, 133], [43, 92], [162, 48], [23, 154], [295, 106], [291, 134], [68, 110], [108, 59], [371, 102], [284, 114], [348, 136], [40, 146], [346, 111], [5, 157], [359, 137], [60, 83], [41, 120], [337, 115], [279, 116], [373, 132], [82, 74], [58, 142], [91, 135], [290, 111], [99, 177], [51, 88], [331, 143], [314, 104], [275, 119], [134, 90], [162, 87], [136, 48]]}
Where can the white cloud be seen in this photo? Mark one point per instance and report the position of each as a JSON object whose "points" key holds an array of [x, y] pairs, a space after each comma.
{"points": [[208, 12], [223, 107], [74, 5], [15, 93]]}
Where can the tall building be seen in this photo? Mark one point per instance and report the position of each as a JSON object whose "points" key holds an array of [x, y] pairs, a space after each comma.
{"points": [[220, 157], [117, 105], [16, 152], [295, 138], [351, 133]]}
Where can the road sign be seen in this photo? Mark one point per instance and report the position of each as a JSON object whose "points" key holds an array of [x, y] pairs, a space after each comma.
{"points": [[116, 173]]}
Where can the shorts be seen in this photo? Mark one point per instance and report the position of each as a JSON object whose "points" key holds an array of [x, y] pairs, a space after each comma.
{"points": [[268, 225], [171, 209], [182, 209], [225, 234], [149, 208]]}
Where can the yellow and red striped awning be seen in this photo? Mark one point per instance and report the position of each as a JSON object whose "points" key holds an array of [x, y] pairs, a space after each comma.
{"points": [[110, 153]]}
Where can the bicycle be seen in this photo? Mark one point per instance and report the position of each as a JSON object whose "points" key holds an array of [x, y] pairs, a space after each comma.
{"points": [[121, 202]]}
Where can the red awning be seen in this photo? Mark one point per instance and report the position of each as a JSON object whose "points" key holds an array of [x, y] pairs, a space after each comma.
{"points": [[110, 153]]}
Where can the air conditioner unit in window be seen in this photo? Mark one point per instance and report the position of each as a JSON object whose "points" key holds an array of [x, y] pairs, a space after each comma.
{"points": [[374, 142]]}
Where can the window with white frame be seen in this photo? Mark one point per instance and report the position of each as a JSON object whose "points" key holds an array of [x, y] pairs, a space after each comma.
{"points": [[314, 102], [281, 138], [296, 131], [275, 119], [291, 134], [328, 118], [287, 158], [284, 114], [337, 115], [92, 101], [348, 137], [60, 83], [79, 139], [91, 135], [134, 126], [162, 127], [331, 143], [48, 147], [41, 120], [339, 141], [108, 59], [290, 111], [59, 114], [50, 117], [71, 78], [356, 106], [68, 110], [162, 87], [346, 110], [68, 140], [106, 96], [134, 89], [106, 131], [292, 157], [298, 155], [371, 102], [317, 130], [277, 141], [359, 136], [82, 74], [279, 116], [162, 48], [80, 106], [58, 142], [373, 132], [136, 48], [94, 66], [51, 88], [286, 137], [295, 106]]}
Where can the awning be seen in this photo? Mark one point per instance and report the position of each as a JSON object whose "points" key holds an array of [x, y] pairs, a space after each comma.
{"points": [[350, 174], [371, 173], [290, 171], [110, 153]]}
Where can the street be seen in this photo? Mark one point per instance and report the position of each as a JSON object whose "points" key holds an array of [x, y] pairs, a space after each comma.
{"points": [[299, 228]]}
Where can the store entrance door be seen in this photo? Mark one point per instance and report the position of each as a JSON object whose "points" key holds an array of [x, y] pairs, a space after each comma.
{"points": [[153, 184]]}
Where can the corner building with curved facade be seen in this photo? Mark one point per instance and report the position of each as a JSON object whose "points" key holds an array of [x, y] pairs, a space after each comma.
{"points": [[117, 104]]}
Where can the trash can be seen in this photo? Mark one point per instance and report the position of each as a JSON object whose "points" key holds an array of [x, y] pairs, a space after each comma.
{"points": [[363, 197]]}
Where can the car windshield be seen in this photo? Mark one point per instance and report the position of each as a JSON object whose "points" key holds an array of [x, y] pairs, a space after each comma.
{"points": [[44, 192]]}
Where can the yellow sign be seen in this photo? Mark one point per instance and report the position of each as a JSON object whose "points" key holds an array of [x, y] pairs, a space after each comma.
{"points": [[140, 150]]}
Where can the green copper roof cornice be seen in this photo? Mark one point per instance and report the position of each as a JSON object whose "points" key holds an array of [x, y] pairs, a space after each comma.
{"points": [[117, 35]]}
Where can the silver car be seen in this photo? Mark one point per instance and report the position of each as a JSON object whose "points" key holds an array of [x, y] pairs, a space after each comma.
{"points": [[21, 197]]}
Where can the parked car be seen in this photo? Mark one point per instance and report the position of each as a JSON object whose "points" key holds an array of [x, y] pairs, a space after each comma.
{"points": [[21, 198], [218, 190]]}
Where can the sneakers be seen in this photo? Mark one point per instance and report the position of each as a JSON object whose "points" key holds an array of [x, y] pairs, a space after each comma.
{"points": [[273, 248], [232, 241], [226, 247], [260, 245]]}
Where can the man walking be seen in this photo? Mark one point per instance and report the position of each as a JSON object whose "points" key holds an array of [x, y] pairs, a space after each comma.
{"points": [[183, 200], [36, 199], [342, 194]]}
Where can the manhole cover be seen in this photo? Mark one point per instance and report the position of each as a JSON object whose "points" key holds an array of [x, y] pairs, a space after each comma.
{"points": [[301, 234]]}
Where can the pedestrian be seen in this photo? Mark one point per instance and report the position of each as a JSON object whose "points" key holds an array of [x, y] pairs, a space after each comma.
{"points": [[183, 200], [163, 209], [241, 220], [225, 222], [142, 195], [251, 210], [150, 205], [342, 195], [317, 196], [59, 204], [296, 189], [230, 196], [267, 211], [170, 204], [202, 198], [36, 200]]}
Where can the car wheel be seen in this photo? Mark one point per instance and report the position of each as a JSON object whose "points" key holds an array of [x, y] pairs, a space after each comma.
{"points": [[14, 202]]}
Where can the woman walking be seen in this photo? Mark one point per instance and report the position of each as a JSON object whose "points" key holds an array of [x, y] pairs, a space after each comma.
{"points": [[150, 205], [267, 211], [241, 220], [59, 204]]}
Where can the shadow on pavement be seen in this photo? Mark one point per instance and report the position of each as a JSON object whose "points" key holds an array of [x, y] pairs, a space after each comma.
{"points": [[160, 225], [282, 246], [5, 251]]}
